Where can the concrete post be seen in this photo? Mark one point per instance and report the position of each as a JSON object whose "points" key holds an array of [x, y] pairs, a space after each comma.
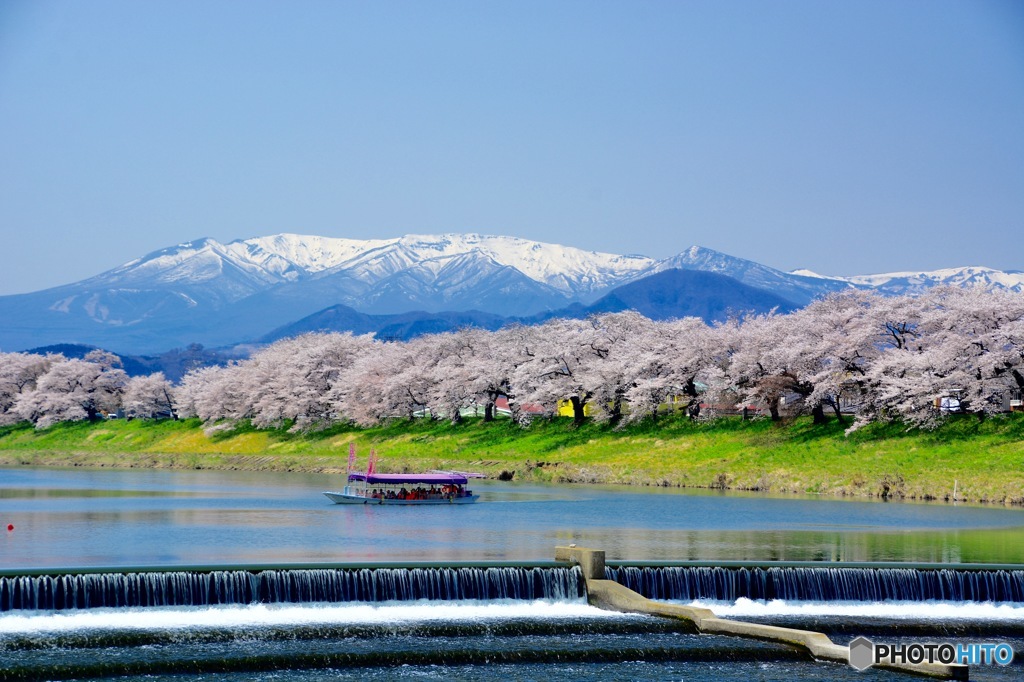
{"points": [[590, 561]]}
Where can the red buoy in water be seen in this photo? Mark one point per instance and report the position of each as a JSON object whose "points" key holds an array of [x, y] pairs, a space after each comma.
{"points": [[10, 527]]}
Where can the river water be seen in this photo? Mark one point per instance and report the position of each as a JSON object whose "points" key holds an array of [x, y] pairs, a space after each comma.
{"points": [[82, 518], [68, 519]]}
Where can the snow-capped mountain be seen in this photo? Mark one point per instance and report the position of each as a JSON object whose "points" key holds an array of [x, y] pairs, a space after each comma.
{"points": [[290, 257], [794, 287], [895, 283], [569, 270], [803, 286], [444, 262], [220, 294]]}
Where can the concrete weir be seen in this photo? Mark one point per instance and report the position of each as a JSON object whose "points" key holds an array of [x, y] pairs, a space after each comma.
{"points": [[608, 594]]}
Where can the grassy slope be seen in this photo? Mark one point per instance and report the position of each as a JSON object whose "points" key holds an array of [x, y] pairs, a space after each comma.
{"points": [[985, 459]]}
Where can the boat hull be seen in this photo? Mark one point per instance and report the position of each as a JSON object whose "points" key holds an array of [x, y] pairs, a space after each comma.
{"points": [[343, 498]]}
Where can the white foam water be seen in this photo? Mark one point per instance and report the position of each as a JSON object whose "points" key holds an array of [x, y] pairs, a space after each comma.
{"points": [[896, 610], [285, 615]]}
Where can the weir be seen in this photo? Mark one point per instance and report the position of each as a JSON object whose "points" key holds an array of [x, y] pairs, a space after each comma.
{"points": [[211, 587], [618, 586], [821, 583], [200, 586], [605, 592]]}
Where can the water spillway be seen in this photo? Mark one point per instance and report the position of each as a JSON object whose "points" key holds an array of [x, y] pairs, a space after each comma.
{"points": [[296, 620], [215, 587], [822, 583], [143, 588]]}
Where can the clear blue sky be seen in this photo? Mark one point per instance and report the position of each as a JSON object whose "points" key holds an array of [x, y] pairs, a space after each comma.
{"points": [[847, 138]]}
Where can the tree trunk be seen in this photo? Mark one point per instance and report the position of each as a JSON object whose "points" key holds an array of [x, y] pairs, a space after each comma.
{"points": [[818, 412], [489, 411], [578, 415], [616, 408], [773, 409], [835, 408], [1019, 378]]}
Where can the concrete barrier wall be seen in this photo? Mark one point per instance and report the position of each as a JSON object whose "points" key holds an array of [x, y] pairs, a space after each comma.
{"points": [[610, 595]]}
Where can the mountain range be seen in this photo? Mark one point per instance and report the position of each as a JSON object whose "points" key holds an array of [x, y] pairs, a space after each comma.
{"points": [[255, 289], [661, 296]]}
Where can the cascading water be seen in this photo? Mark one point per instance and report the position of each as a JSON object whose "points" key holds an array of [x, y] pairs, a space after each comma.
{"points": [[187, 588], [821, 584], [443, 622]]}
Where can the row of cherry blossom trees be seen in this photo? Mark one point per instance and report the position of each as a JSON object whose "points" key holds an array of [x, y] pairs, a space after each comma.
{"points": [[882, 357]]}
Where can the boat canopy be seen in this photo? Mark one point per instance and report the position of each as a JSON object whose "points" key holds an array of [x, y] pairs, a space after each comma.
{"points": [[400, 479]]}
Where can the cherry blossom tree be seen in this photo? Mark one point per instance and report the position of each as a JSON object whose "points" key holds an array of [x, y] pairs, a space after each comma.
{"points": [[488, 366], [890, 357], [213, 394], [388, 381], [612, 370], [325, 363], [964, 355], [765, 369], [149, 397], [550, 368], [74, 390], [841, 335], [581, 362], [517, 346], [677, 359], [19, 373], [281, 382], [821, 358], [455, 363]]}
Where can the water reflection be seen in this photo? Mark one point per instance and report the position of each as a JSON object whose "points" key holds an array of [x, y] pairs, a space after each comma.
{"points": [[36, 493], [124, 518]]}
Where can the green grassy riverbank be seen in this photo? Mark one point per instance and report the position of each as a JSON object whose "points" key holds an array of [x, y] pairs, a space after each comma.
{"points": [[982, 461]]}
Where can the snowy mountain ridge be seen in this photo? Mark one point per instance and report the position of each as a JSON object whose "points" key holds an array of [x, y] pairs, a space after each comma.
{"points": [[915, 282], [218, 294], [287, 257], [290, 257]]}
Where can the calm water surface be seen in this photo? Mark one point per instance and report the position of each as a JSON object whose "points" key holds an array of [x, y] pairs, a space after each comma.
{"points": [[81, 518]]}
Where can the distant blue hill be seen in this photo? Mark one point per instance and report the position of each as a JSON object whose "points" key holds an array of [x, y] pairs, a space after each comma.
{"points": [[174, 363], [663, 296], [687, 293], [397, 327]]}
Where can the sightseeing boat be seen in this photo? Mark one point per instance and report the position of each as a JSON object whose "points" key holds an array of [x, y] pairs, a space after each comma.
{"points": [[439, 487]]}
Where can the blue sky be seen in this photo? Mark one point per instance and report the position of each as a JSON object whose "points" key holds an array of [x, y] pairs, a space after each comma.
{"points": [[847, 138]]}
